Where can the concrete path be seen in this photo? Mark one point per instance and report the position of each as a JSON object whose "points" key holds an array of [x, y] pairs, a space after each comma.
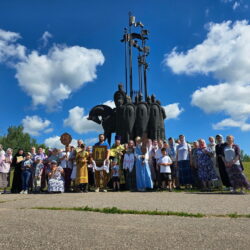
{"points": [[24, 228]]}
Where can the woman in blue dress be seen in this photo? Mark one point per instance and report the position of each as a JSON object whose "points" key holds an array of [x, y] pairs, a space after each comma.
{"points": [[143, 173], [206, 172]]}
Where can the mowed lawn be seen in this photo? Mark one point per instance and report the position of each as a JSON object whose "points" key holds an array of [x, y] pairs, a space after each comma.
{"points": [[247, 169]]}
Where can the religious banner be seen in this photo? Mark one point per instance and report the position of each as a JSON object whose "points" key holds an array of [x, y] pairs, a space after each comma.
{"points": [[99, 154]]}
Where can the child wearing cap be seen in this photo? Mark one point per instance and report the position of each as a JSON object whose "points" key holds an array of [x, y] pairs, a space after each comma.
{"points": [[26, 173], [115, 175], [165, 171]]}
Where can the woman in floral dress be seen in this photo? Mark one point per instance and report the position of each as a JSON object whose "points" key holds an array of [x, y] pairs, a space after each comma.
{"points": [[56, 181], [206, 172]]}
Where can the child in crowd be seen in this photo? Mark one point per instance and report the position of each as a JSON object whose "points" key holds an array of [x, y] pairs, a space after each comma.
{"points": [[165, 171], [115, 175], [38, 170], [91, 172], [26, 173]]}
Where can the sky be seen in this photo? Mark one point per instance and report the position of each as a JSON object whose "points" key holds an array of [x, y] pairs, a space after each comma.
{"points": [[60, 58]]}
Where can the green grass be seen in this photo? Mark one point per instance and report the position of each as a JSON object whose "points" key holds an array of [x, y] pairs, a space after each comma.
{"points": [[115, 210], [247, 169]]}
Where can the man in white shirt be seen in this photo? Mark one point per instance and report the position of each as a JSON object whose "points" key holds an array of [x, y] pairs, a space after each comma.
{"points": [[67, 167], [165, 171]]}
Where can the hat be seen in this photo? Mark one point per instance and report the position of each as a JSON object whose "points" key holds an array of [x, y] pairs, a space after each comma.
{"points": [[118, 137], [53, 162], [38, 158]]}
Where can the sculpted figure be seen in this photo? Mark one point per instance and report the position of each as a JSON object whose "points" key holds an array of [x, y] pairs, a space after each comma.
{"points": [[154, 120], [142, 116], [119, 99], [107, 115], [163, 116], [129, 113]]}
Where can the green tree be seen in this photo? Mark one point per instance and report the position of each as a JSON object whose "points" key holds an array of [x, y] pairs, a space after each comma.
{"points": [[16, 139], [244, 157]]}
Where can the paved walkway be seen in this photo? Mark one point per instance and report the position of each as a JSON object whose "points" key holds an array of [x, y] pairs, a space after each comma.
{"points": [[24, 228]]}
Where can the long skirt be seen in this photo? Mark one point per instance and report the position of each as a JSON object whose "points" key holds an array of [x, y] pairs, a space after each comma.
{"points": [[217, 183], [56, 185], [17, 181], [223, 173], [3, 180], [237, 178], [206, 171], [82, 174], [185, 174], [143, 176], [73, 173]]}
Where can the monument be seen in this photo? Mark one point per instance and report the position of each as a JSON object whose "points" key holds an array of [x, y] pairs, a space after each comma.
{"points": [[135, 113]]}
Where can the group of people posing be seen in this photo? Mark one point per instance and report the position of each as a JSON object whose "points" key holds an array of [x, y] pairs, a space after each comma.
{"points": [[140, 165]]}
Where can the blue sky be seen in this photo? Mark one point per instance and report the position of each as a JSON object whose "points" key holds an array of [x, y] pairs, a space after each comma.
{"points": [[58, 59]]}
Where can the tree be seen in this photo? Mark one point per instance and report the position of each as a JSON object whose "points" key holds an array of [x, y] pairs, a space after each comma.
{"points": [[244, 157], [17, 139]]}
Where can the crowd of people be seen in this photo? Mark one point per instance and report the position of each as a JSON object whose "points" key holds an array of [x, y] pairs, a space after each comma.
{"points": [[140, 165]]}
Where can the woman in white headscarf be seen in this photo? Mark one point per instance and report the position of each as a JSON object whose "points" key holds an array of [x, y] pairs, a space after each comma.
{"points": [[5, 163]]}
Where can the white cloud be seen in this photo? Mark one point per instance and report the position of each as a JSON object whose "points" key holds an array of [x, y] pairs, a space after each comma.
{"points": [[77, 120], [225, 55], [91, 141], [49, 78], [45, 38], [110, 103], [9, 49], [54, 142], [232, 99], [228, 123], [173, 111], [34, 125]]}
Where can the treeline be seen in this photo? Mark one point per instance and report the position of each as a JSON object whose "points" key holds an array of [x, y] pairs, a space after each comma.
{"points": [[244, 157], [16, 139]]}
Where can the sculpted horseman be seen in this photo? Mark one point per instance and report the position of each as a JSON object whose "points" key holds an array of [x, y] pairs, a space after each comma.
{"points": [[163, 116], [154, 120], [142, 117], [139, 114], [129, 115], [119, 99]]}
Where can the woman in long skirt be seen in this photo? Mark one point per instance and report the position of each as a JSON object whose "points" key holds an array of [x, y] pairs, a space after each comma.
{"points": [[17, 178], [143, 173], [219, 149], [5, 162], [206, 172], [183, 162], [231, 158]]}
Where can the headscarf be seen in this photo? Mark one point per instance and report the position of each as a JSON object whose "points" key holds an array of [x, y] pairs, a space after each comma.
{"points": [[222, 139], [202, 143]]}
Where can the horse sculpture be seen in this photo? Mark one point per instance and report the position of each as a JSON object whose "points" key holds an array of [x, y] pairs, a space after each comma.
{"points": [[107, 120]]}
